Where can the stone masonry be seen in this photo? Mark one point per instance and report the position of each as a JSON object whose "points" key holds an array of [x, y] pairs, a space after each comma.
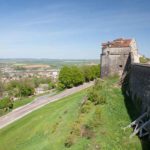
{"points": [[115, 55]]}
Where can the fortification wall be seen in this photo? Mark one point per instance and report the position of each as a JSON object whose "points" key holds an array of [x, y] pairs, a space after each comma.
{"points": [[139, 86], [113, 64]]}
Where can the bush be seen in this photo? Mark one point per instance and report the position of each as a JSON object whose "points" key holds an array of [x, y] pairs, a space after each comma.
{"points": [[26, 89], [86, 131], [69, 141], [97, 93], [86, 107], [60, 86], [20, 88], [96, 97], [6, 103], [51, 85]]}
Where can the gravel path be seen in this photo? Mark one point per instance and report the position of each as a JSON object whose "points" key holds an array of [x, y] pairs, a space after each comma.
{"points": [[38, 103]]}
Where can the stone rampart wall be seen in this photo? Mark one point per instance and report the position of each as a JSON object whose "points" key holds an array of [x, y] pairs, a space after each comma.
{"points": [[139, 86]]}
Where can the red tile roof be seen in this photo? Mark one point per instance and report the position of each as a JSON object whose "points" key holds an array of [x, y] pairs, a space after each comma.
{"points": [[117, 43]]}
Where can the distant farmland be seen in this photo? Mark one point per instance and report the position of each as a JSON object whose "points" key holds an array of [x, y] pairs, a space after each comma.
{"points": [[53, 63]]}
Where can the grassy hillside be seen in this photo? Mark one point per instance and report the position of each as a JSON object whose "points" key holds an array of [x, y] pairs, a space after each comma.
{"points": [[70, 124]]}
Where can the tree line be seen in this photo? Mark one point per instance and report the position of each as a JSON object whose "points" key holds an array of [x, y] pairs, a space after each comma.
{"points": [[70, 76]]}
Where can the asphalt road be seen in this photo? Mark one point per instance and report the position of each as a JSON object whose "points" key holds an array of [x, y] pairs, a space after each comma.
{"points": [[38, 103]]}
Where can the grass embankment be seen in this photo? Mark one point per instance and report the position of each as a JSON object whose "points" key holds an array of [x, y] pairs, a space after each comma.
{"points": [[72, 124], [22, 102]]}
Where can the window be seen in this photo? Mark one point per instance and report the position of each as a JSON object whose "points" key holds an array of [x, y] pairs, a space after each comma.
{"points": [[120, 66]]}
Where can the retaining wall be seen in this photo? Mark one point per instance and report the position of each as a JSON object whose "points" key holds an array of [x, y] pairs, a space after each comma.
{"points": [[139, 86]]}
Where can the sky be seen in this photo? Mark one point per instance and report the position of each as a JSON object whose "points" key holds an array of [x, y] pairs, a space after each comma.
{"points": [[70, 29]]}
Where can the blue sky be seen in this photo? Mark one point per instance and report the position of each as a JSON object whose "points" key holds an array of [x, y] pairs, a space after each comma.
{"points": [[75, 29]]}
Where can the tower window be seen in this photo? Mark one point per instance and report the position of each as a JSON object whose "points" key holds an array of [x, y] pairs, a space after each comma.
{"points": [[120, 66]]}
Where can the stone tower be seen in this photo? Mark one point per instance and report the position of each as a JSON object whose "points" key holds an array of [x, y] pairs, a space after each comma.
{"points": [[115, 56]]}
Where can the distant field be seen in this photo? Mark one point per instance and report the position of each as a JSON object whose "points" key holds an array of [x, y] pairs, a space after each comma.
{"points": [[54, 63], [51, 126], [35, 66]]}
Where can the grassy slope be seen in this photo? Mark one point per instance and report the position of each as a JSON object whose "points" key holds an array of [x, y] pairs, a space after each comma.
{"points": [[49, 127], [22, 102]]}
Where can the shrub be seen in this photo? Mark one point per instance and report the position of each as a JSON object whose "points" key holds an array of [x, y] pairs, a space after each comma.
{"points": [[51, 85], [20, 88], [99, 84], [96, 97], [97, 94], [6, 103], [86, 131], [26, 89], [60, 86], [86, 107], [69, 141]]}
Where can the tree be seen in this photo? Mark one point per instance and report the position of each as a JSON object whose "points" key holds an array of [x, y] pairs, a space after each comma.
{"points": [[6, 103], [26, 89], [95, 71], [87, 72], [20, 88], [91, 72], [77, 76], [65, 77], [71, 76]]}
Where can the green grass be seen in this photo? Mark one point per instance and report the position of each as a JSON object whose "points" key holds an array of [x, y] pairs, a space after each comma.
{"points": [[51, 126], [22, 101]]}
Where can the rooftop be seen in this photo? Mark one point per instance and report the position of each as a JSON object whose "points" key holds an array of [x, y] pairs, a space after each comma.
{"points": [[117, 43]]}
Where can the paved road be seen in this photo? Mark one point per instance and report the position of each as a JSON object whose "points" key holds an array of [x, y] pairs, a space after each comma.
{"points": [[38, 103]]}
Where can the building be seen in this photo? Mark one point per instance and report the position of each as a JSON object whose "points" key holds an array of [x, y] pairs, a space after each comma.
{"points": [[115, 56]]}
